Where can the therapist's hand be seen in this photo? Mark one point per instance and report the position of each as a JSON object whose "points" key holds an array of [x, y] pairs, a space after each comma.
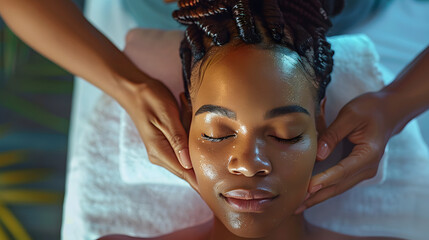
{"points": [[367, 122], [155, 112]]}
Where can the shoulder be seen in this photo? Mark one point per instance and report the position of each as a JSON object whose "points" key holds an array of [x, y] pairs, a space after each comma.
{"points": [[199, 232], [119, 237], [325, 234], [380, 238]]}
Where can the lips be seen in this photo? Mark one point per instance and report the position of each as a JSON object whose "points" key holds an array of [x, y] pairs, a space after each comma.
{"points": [[243, 200]]}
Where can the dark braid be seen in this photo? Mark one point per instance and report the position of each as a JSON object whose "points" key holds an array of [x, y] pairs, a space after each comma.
{"points": [[195, 39], [186, 57], [214, 30], [297, 24], [188, 16], [245, 22], [274, 20]]}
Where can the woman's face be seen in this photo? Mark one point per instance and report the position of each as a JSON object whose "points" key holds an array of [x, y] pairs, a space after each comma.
{"points": [[253, 138]]}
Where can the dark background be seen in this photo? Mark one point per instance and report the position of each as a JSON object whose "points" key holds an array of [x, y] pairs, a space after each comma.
{"points": [[35, 103]]}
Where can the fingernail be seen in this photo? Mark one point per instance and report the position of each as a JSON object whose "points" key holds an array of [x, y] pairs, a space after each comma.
{"points": [[322, 152], [307, 197], [315, 188], [184, 159], [300, 210]]}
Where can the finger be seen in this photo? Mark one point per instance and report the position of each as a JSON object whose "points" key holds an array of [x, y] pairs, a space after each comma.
{"points": [[336, 189], [342, 126], [175, 133], [161, 154], [362, 157], [186, 174]]}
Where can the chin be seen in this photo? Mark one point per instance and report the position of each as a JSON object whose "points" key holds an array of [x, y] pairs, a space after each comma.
{"points": [[251, 232], [251, 226]]}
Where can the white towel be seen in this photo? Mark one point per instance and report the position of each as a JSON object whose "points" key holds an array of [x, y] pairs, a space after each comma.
{"points": [[101, 200], [360, 211]]}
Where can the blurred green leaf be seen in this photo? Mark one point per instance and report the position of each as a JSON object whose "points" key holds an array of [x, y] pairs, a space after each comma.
{"points": [[33, 112], [17, 196], [42, 69], [10, 49], [23, 53], [10, 158], [4, 129], [12, 224], [13, 177], [41, 86], [3, 234]]}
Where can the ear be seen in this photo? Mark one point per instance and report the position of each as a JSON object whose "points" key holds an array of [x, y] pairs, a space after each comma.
{"points": [[185, 111], [320, 119]]}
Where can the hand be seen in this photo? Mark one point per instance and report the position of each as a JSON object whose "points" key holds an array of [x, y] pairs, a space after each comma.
{"points": [[367, 122], [155, 112]]}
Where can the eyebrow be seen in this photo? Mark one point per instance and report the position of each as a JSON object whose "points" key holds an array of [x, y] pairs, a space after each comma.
{"points": [[217, 110], [285, 110], [276, 112]]}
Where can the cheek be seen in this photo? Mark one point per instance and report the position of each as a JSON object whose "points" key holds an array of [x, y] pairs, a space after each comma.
{"points": [[294, 167], [209, 172], [206, 163]]}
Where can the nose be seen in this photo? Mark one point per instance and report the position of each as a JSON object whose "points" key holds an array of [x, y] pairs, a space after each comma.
{"points": [[249, 162]]}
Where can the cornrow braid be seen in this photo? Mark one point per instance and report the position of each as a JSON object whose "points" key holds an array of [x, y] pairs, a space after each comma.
{"points": [[300, 25], [189, 15], [195, 39], [186, 57], [245, 22], [214, 30], [274, 20]]}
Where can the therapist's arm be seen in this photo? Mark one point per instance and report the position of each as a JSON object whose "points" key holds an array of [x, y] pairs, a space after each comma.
{"points": [[58, 30], [409, 93], [369, 121]]}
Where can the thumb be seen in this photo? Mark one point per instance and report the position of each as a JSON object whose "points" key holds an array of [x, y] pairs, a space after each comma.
{"points": [[341, 127]]}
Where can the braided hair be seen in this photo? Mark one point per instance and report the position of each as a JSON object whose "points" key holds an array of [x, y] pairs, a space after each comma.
{"points": [[300, 25]]}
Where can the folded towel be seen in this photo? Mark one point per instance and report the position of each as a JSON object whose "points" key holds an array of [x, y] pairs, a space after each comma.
{"points": [[360, 211], [100, 199]]}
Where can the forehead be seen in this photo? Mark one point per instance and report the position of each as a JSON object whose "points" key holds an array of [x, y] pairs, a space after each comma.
{"points": [[247, 77]]}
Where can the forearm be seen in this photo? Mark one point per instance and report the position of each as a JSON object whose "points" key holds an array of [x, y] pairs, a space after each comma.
{"points": [[58, 30], [408, 94]]}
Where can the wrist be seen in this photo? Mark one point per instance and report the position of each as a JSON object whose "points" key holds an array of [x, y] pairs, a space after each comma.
{"points": [[127, 82], [396, 107]]}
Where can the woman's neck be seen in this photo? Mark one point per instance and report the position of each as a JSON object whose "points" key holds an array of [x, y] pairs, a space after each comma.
{"points": [[292, 228]]}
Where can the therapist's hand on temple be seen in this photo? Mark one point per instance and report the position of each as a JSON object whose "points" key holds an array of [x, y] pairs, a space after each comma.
{"points": [[155, 112], [366, 124], [368, 121]]}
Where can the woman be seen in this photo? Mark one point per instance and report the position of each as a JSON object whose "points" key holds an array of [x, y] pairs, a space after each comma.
{"points": [[59, 31], [256, 102]]}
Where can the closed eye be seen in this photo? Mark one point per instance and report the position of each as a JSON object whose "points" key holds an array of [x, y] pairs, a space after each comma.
{"points": [[213, 139], [288, 140]]}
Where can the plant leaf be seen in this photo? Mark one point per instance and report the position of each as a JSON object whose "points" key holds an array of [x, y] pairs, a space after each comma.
{"points": [[43, 68], [4, 129], [40, 85], [10, 52], [29, 197], [12, 224], [3, 234], [22, 176], [33, 112], [10, 158]]}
